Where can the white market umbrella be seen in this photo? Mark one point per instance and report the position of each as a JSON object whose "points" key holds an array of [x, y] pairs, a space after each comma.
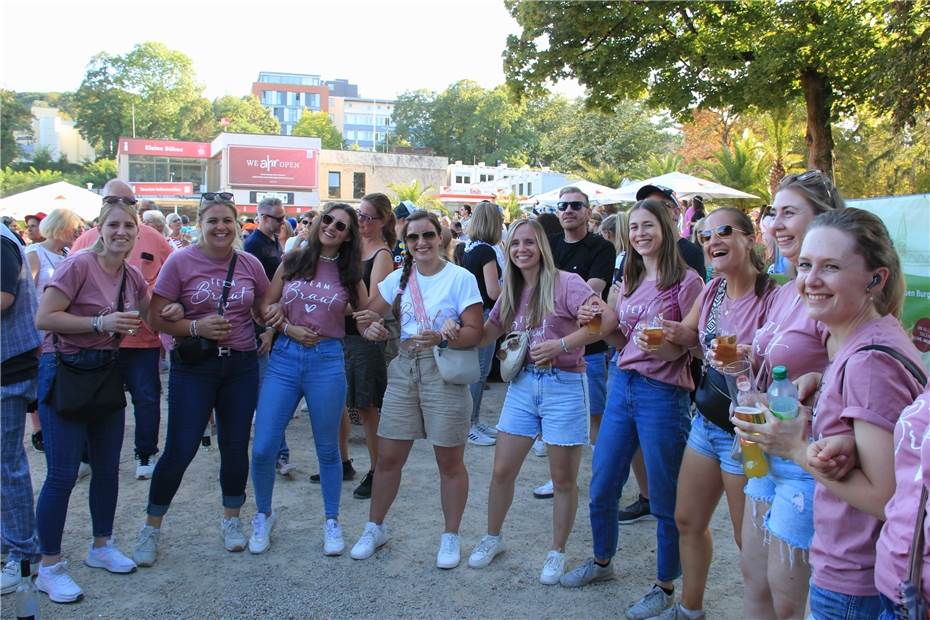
{"points": [[597, 194], [49, 197], [686, 186]]}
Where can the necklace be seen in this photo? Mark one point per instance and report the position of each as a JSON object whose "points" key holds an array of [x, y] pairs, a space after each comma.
{"points": [[328, 259]]}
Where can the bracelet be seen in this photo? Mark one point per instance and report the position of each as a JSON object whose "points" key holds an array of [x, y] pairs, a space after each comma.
{"points": [[96, 323], [564, 346], [285, 328], [193, 328]]}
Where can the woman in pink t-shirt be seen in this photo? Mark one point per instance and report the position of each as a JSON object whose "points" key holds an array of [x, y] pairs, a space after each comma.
{"points": [[778, 521], [225, 381], [850, 278], [548, 396], [742, 294], [315, 286], [647, 406], [84, 318]]}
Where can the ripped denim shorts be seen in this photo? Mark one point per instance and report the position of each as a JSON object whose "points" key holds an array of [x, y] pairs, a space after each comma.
{"points": [[790, 492]]}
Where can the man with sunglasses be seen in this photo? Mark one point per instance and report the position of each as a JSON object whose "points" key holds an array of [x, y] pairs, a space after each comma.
{"points": [[139, 354], [691, 252]]}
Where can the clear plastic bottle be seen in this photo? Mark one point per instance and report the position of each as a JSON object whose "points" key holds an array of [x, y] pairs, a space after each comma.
{"points": [[783, 395], [27, 598]]}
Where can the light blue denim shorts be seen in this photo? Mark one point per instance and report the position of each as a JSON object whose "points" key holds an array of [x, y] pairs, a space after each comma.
{"points": [[710, 440], [552, 403], [790, 491]]}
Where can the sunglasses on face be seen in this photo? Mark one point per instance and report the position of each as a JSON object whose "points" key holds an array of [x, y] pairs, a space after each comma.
{"points": [[112, 200], [412, 238], [723, 231], [224, 197], [273, 217], [574, 205], [328, 219], [365, 218]]}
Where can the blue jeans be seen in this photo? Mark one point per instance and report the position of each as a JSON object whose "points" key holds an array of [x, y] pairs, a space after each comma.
{"points": [[830, 605], [640, 412], [230, 386], [18, 517], [141, 376], [889, 608], [284, 453], [597, 381], [318, 374], [485, 358], [64, 442]]}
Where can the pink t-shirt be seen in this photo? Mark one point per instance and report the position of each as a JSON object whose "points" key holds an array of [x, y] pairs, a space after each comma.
{"points": [[571, 292], [93, 292], [743, 316], [196, 281], [149, 253], [319, 303], [789, 338], [675, 302], [875, 389], [911, 440]]}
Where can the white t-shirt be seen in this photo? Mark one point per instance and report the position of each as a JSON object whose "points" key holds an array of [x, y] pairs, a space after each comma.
{"points": [[446, 295]]}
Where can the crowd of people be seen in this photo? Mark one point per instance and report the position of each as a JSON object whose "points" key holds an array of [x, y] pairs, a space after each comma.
{"points": [[610, 329]]}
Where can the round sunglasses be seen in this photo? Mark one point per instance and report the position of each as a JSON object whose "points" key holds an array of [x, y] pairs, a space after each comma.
{"points": [[723, 231], [328, 219]]}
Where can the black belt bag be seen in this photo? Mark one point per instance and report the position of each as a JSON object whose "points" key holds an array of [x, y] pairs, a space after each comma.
{"points": [[192, 350]]}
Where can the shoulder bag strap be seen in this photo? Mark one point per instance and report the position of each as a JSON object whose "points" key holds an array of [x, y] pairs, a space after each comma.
{"points": [[916, 372], [227, 284], [711, 326], [915, 554]]}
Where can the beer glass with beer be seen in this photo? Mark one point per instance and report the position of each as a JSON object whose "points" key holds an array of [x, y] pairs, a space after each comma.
{"points": [[725, 343], [652, 325], [594, 325], [747, 406]]}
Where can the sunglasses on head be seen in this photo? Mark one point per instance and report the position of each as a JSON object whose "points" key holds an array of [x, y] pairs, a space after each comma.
{"points": [[364, 217], [574, 205], [428, 235], [224, 197], [723, 231], [112, 200], [328, 219]]}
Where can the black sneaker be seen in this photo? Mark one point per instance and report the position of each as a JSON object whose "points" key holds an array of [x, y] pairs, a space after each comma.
{"points": [[363, 491], [348, 473], [37, 441], [206, 442], [637, 511]]}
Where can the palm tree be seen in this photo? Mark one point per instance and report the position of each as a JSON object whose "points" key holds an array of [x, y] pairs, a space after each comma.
{"points": [[656, 165], [778, 125], [423, 196], [602, 174], [744, 166]]}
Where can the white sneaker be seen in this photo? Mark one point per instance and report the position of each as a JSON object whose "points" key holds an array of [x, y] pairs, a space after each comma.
{"points": [[332, 538], [490, 431], [372, 538], [486, 551], [284, 468], [233, 538], [477, 438], [146, 551], [144, 467], [9, 577], [553, 568], [449, 554], [261, 532], [544, 491], [55, 581], [539, 448], [83, 471], [110, 558]]}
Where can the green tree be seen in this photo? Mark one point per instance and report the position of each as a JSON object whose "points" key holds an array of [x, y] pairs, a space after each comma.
{"points": [[423, 196], [743, 166], [14, 116], [412, 117], [16, 181], [318, 125], [713, 54], [99, 172], [657, 165], [603, 174], [244, 115]]}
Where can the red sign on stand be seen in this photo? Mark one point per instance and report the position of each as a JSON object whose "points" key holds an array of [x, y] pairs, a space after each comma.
{"points": [[162, 189], [164, 148], [259, 166]]}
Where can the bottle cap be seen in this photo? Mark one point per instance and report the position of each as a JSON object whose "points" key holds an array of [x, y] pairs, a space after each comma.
{"points": [[780, 373]]}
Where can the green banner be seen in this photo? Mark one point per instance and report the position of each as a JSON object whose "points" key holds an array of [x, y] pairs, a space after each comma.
{"points": [[908, 222]]}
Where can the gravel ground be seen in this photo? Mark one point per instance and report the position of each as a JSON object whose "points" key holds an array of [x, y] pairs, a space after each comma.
{"points": [[195, 576]]}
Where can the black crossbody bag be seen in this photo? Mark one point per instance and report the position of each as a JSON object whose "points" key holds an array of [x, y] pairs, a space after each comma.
{"points": [[712, 396], [83, 394], [191, 350]]}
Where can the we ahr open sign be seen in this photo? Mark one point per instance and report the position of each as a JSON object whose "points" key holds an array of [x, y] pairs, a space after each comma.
{"points": [[273, 167]]}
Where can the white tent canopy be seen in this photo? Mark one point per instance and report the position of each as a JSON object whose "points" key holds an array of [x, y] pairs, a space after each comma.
{"points": [[48, 197], [686, 186], [597, 194]]}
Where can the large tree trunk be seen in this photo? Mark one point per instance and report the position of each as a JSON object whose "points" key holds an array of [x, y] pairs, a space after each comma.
{"points": [[817, 97]]}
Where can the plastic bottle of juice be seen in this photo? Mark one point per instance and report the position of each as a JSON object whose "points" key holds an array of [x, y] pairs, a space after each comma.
{"points": [[783, 395]]}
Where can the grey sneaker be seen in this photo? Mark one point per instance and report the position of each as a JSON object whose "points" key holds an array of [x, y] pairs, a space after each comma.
{"points": [[654, 603], [233, 538], [589, 572], [675, 613], [146, 551]]}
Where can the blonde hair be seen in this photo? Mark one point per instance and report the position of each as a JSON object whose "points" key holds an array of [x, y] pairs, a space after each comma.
{"points": [[207, 204], [542, 300], [617, 224], [105, 211], [485, 223], [59, 222]]}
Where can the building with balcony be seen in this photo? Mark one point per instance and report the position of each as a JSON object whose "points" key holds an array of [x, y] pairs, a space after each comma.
{"points": [[366, 123], [286, 95]]}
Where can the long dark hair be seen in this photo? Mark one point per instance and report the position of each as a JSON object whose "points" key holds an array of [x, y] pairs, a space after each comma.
{"points": [[301, 265], [744, 223], [408, 255], [382, 205], [672, 266]]}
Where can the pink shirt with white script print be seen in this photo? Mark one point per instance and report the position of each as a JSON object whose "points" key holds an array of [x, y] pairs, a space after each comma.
{"points": [[319, 303]]}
